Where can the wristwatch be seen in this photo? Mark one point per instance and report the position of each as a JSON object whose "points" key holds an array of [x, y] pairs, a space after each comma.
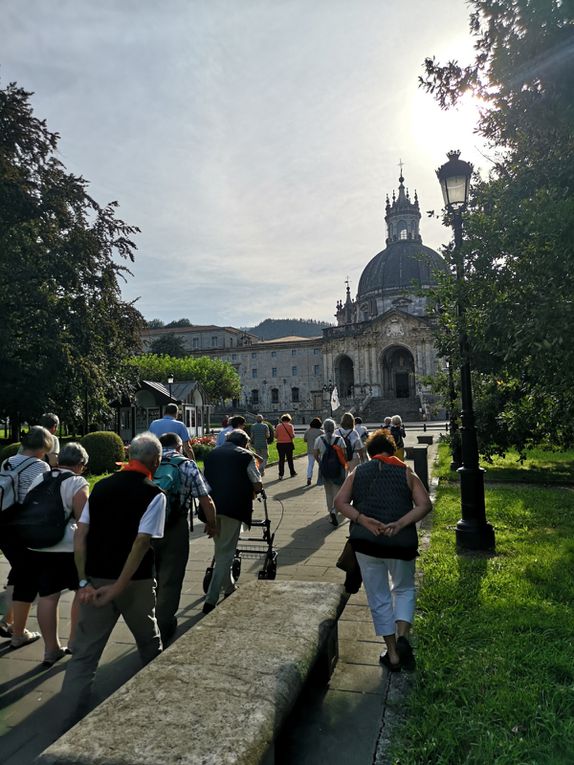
{"points": [[83, 583]]}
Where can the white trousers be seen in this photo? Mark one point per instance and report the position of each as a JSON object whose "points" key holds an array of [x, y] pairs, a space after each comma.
{"points": [[310, 463], [390, 588]]}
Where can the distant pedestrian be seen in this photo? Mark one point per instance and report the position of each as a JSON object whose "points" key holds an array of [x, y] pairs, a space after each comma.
{"points": [[384, 500], [232, 473], [399, 434], [237, 422], [363, 435], [354, 447], [170, 424], [285, 437], [332, 470], [312, 433], [387, 422], [52, 422], [260, 442]]}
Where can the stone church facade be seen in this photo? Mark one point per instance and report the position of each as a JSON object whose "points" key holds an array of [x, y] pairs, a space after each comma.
{"points": [[377, 355]]}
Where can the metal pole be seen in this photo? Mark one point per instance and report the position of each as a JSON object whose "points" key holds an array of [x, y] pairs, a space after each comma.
{"points": [[472, 531]]}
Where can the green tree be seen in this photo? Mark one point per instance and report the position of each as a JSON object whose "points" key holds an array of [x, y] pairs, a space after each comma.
{"points": [[155, 324], [179, 323], [168, 345], [519, 229], [218, 378], [64, 329]]}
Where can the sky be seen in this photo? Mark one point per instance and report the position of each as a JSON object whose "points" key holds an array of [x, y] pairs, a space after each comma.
{"points": [[252, 141]]}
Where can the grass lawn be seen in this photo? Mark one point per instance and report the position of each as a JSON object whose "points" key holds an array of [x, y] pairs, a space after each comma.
{"points": [[495, 637], [540, 466]]}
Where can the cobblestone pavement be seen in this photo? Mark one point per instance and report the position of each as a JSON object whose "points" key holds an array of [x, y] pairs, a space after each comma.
{"points": [[341, 724]]}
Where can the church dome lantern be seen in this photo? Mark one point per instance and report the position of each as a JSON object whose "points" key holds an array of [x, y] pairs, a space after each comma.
{"points": [[406, 264]]}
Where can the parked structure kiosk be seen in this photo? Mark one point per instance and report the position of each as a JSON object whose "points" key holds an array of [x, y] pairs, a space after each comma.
{"points": [[149, 403]]}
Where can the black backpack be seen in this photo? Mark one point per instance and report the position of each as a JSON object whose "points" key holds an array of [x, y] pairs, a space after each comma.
{"points": [[331, 468], [348, 447], [42, 518]]}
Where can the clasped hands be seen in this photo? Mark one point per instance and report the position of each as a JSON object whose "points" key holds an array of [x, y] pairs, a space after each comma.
{"points": [[378, 528]]}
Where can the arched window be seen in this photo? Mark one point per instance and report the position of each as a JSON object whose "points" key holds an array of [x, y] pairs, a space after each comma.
{"points": [[403, 234]]}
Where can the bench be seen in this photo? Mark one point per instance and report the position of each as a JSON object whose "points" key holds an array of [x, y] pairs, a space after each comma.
{"points": [[220, 693], [425, 440]]}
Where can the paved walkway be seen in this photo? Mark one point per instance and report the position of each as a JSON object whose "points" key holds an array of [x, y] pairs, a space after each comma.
{"points": [[341, 724]]}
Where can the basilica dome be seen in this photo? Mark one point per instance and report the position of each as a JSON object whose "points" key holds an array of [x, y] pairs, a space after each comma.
{"points": [[405, 264], [401, 266]]}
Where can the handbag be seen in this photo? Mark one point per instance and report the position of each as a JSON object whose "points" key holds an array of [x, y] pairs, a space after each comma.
{"points": [[347, 560]]}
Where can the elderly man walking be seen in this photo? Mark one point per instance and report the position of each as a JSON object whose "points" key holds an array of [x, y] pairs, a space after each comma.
{"points": [[114, 558], [259, 439], [172, 551], [232, 473]]}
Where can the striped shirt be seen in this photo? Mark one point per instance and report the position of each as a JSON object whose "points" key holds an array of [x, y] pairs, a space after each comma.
{"points": [[26, 478], [193, 482]]}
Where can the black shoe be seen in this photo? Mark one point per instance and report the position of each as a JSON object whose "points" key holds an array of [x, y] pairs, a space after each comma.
{"points": [[386, 662], [293, 475], [207, 608], [280, 477], [333, 518], [406, 655]]}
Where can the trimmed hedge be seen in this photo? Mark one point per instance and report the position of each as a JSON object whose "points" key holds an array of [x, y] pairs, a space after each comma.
{"points": [[105, 449], [9, 451]]}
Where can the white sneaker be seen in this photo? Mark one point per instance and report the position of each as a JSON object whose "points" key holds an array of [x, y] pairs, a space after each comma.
{"points": [[27, 637]]}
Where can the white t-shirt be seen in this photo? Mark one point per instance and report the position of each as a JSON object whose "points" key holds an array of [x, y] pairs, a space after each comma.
{"points": [[34, 468], [68, 490], [353, 437], [151, 522]]}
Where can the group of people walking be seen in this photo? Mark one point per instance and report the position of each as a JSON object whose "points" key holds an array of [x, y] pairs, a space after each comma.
{"points": [[129, 534]]}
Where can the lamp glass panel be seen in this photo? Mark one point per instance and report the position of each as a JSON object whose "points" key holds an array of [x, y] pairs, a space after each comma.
{"points": [[456, 187]]}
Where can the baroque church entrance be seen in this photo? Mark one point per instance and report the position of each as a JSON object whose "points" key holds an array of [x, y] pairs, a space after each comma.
{"points": [[345, 377], [398, 373]]}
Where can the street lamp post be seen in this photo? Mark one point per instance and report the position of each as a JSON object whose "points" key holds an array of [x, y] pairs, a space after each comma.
{"points": [[329, 388], [473, 532], [170, 383]]}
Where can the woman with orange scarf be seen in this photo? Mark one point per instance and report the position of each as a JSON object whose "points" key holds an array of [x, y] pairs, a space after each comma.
{"points": [[384, 500]]}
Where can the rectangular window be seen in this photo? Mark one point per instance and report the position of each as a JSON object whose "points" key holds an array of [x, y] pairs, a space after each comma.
{"points": [[253, 373], [316, 370], [294, 371], [274, 395], [295, 395], [273, 354], [293, 351], [253, 355], [273, 371], [254, 397], [195, 343], [316, 351], [214, 342], [233, 357]]}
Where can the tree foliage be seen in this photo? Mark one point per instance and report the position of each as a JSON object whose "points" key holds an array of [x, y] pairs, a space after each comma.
{"points": [[218, 379], [64, 329], [168, 345], [519, 229]]}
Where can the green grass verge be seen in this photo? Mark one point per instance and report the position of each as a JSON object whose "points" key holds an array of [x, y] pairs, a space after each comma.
{"points": [[540, 466], [495, 638]]}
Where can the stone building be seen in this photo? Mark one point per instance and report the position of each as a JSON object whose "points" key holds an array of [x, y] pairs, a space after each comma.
{"points": [[376, 356]]}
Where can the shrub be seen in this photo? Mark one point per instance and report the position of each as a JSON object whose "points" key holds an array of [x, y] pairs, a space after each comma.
{"points": [[9, 451], [105, 449], [202, 447]]}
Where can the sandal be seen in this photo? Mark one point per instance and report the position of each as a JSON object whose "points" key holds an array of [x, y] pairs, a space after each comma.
{"points": [[24, 639], [5, 630], [387, 663]]}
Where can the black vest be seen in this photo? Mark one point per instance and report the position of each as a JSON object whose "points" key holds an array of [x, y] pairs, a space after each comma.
{"points": [[117, 504], [231, 488], [381, 491]]}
